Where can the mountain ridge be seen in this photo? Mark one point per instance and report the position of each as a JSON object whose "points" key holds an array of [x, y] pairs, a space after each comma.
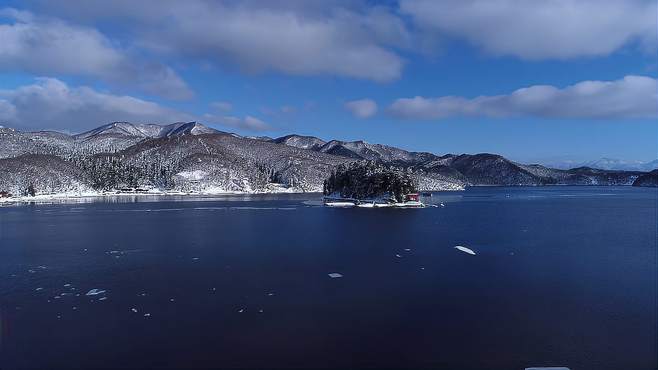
{"points": [[190, 157]]}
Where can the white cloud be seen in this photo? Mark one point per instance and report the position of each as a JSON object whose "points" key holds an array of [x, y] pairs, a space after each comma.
{"points": [[551, 29], [52, 104], [630, 97], [48, 46], [299, 38], [222, 106], [363, 108]]}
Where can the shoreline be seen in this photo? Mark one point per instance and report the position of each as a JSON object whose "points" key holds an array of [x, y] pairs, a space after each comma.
{"points": [[40, 198], [45, 198]]}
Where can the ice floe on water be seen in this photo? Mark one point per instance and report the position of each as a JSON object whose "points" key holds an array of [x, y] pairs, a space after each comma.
{"points": [[95, 292], [465, 250], [335, 275]]}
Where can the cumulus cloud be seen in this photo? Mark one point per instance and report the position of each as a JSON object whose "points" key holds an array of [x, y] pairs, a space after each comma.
{"points": [[51, 104], [630, 97], [363, 108], [294, 37], [48, 46], [552, 29]]}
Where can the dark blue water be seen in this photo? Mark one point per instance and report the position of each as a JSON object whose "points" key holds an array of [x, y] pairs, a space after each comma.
{"points": [[563, 276]]}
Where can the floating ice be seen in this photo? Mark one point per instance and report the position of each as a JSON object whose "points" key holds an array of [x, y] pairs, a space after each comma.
{"points": [[67, 285], [102, 298], [465, 250], [133, 310], [241, 310], [95, 292], [335, 275], [38, 289], [407, 249], [398, 256]]}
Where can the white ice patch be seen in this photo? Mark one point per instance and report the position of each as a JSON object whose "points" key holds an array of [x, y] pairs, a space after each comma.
{"points": [[335, 275], [95, 292], [465, 250]]}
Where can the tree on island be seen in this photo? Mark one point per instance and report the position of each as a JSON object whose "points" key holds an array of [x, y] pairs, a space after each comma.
{"points": [[368, 180]]}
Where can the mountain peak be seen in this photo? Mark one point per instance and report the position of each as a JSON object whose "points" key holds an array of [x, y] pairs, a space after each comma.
{"points": [[300, 141], [147, 130]]}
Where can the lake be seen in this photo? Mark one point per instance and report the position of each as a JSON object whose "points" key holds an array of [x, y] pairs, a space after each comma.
{"points": [[562, 276]]}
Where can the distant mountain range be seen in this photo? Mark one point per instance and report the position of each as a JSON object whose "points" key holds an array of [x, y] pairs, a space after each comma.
{"points": [[608, 164], [189, 156]]}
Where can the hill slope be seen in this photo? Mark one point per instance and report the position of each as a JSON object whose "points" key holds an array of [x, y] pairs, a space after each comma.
{"points": [[191, 157]]}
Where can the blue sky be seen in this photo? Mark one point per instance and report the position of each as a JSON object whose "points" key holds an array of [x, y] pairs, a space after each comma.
{"points": [[542, 82]]}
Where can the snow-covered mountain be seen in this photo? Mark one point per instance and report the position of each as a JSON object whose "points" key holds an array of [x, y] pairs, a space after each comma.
{"points": [[353, 149], [609, 164], [192, 157], [299, 141], [146, 130]]}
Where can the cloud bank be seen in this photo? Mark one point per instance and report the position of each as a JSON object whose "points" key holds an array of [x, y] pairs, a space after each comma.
{"points": [[51, 104], [548, 29], [630, 97], [48, 46], [293, 37]]}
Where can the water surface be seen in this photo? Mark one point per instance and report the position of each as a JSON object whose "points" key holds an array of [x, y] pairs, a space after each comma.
{"points": [[562, 276]]}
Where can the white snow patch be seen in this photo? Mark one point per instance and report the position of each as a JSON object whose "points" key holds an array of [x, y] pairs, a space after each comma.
{"points": [[95, 292], [335, 275], [195, 175], [465, 250]]}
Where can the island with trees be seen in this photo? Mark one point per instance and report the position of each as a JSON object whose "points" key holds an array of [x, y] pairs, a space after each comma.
{"points": [[371, 185]]}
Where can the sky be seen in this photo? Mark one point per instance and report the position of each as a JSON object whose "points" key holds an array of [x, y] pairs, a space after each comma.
{"points": [[536, 81]]}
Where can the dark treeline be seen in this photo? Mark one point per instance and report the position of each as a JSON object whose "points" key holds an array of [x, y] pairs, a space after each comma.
{"points": [[364, 180]]}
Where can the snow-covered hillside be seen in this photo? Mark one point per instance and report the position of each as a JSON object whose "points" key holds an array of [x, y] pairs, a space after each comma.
{"points": [[190, 157]]}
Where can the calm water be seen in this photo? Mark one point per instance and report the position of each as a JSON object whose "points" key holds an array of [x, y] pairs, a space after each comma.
{"points": [[563, 276]]}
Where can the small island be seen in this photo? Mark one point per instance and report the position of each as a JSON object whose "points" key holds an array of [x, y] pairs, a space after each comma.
{"points": [[370, 185]]}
